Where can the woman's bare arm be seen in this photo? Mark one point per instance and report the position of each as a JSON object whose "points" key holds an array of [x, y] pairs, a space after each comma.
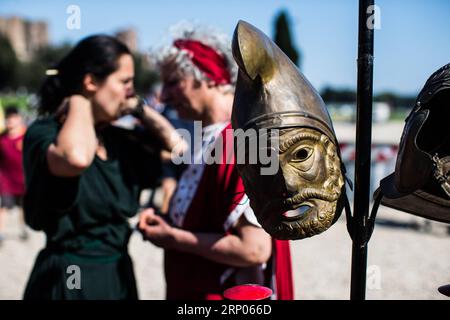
{"points": [[76, 142]]}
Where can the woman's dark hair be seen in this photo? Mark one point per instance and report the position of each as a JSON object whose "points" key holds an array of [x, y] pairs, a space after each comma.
{"points": [[97, 55]]}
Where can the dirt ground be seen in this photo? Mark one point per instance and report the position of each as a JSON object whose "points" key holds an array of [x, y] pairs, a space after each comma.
{"points": [[408, 259]]}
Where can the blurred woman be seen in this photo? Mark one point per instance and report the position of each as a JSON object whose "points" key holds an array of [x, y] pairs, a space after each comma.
{"points": [[84, 175]]}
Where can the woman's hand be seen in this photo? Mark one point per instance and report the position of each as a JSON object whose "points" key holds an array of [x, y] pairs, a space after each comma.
{"points": [[155, 229], [72, 101], [130, 105]]}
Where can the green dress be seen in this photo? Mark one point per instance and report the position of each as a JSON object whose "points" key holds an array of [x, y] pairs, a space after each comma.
{"points": [[85, 218]]}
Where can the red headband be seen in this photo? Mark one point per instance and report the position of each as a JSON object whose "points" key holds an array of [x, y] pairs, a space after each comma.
{"points": [[206, 59]]}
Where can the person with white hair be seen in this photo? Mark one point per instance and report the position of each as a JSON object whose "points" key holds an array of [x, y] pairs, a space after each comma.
{"points": [[211, 237]]}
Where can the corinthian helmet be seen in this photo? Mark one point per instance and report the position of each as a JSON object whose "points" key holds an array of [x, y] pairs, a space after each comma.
{"points": [[306, 195]]}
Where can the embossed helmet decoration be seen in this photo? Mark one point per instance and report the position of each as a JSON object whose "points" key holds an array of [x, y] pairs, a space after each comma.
{"points": [[306, 195]]}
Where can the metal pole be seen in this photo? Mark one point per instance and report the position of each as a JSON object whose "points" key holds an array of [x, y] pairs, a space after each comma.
{"points": [[360, 228]]}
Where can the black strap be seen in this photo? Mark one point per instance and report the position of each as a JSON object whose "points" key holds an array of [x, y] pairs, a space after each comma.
{"points": [[370, 221]]}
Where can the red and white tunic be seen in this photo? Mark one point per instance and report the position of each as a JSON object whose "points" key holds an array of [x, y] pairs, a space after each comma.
{"points": [[210, 198]]}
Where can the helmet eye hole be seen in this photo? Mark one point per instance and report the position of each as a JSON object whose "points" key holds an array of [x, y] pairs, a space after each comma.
{"points": [[302, 154]]}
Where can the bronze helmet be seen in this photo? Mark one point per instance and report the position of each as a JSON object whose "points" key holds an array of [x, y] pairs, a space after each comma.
{"points": [[306, 196], [420, 184]]}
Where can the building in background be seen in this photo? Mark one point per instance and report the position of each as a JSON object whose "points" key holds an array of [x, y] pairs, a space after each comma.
{"points": [[129, 37], [26, 36]]}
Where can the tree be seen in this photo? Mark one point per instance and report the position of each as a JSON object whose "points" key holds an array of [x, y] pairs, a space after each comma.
{"points": [[331, 95], [144, 77], [283, 37], [30, 75], [334, 95], [395, 100], [33, 73], [9, 65]]}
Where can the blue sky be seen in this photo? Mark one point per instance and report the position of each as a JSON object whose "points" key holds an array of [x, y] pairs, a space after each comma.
{"points": [[412, 43]]}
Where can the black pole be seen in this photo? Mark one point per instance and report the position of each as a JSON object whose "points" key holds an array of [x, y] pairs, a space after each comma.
{"points": [[360, 227]]}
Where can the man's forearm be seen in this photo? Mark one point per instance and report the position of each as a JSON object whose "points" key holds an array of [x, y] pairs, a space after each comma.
{"points": [[161, 127], [226, 249]]}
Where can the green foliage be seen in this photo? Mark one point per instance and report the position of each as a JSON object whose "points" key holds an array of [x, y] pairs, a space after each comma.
{"points": [[9, 65], [283, 37], [15, 74], [348, 96], [33, 73], [395, 100], [19, 101], [331, 95], [30, 75]]}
